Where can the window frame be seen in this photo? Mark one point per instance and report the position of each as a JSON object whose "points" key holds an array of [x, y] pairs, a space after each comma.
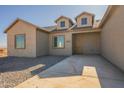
{"points": [[86, 21], [61, 24], [57, 46], [24, 41]]}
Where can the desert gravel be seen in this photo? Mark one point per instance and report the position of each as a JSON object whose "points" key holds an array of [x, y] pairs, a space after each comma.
{"points": [[15, 70]]}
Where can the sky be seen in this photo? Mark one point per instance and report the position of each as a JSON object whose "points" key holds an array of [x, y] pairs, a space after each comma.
{"points": [[42, 15]]}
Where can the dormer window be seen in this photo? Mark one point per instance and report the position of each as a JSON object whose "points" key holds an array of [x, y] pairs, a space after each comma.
{"points": [[84, 21], [62, 23]]}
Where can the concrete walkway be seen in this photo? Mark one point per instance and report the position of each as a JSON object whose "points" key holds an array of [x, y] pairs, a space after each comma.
{"points": [[78, 71]]}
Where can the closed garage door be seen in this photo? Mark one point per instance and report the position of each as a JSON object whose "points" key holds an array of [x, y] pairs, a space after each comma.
{"points": [[86, 43]]}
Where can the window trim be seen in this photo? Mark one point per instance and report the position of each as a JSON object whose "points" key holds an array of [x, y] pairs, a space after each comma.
{"points": [[86, 21], [53, 42], [61, 25], [24, 41]]}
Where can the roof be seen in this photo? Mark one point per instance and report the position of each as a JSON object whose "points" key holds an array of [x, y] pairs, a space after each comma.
{"points": [[105, 15], [95, 25], [50, 28], [65, 18], [74, 27], [79, 30], [18, 19], [62, 30], [83, 14]]}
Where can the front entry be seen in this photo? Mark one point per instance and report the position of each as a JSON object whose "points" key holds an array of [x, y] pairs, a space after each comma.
{"points": [[86, 43]]}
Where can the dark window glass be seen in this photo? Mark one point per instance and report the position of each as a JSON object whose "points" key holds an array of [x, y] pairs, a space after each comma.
{"points": [[62, 24], [58, 42], [83, 21], [55, 41], [20, 41]]}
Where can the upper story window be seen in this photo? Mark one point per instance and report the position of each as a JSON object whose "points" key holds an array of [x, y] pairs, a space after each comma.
{"points": [[84, 21], [58, 41], [62, 23], [20, 41]]}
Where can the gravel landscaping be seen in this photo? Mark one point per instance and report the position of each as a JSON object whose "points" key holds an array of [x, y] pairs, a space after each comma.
{"points": [[14, 70]]}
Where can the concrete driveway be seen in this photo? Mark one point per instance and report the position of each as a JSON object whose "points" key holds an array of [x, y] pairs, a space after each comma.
{"points": [[79, 71]]}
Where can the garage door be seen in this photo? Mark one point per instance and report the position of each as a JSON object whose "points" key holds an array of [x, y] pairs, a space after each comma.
{"points": [[88, 43]]}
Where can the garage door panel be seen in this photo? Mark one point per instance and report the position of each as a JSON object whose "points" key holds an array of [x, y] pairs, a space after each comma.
{"points": [[86, 43]]}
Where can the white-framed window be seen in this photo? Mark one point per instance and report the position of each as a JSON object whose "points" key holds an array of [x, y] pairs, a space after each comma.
{"points": [[84, 21], [59, 41]]}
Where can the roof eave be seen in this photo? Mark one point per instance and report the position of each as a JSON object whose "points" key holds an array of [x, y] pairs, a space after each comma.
{"points": [[18, 19], [82, 14], [5, 31], [64, 17], [105, 16]]}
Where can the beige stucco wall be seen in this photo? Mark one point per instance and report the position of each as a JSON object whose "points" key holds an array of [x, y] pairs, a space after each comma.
{"points": [[86, 43], [89, 20], [30, 32], [112, 38], [42, 43], [68, 44], [67, 23]]}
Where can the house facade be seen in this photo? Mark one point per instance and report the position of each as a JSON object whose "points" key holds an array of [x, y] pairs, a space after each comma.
{"points": [[25, 39]]}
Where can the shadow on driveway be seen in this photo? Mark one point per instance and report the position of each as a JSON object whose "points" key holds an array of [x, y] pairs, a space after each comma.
{"points": [[35, 65], [15, 70]]}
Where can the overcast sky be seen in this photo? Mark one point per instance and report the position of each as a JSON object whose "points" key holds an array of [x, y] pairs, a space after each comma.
{"points": [[42, 15]]}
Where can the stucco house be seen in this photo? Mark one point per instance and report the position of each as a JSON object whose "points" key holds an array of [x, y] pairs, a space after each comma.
{"points": [[86, 36], [66, 38]]}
